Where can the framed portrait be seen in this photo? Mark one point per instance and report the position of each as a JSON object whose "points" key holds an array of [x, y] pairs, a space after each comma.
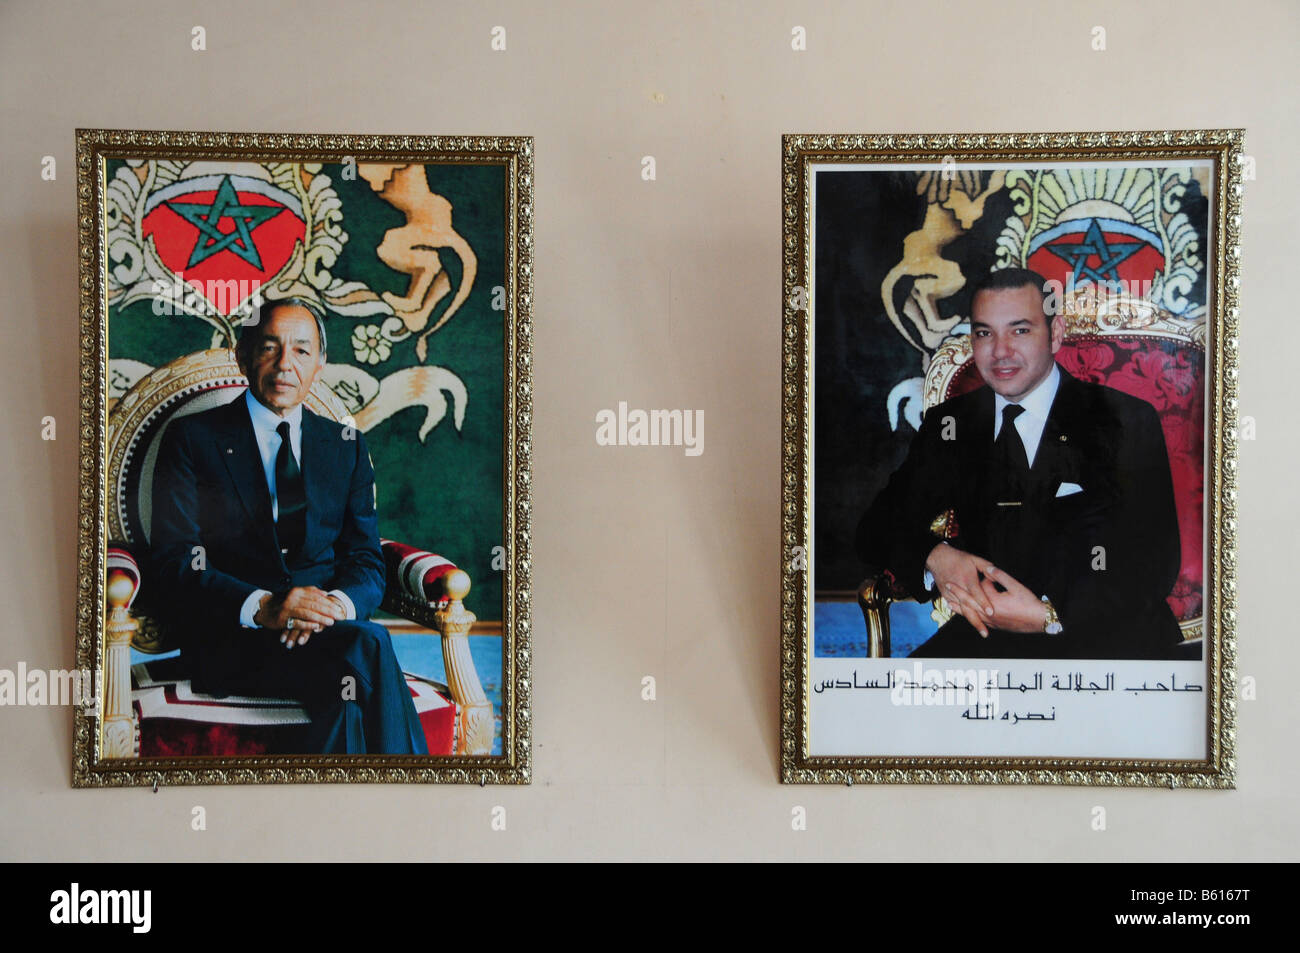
{"points": [[304, 457], [1009, 426]]}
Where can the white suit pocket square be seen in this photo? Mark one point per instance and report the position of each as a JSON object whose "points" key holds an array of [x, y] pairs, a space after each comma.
{"points": [[1068, 489]]}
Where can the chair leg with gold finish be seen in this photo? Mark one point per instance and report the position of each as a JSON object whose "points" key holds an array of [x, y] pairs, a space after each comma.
{"points": [[117, 725], [873, 600], [475, 728]]}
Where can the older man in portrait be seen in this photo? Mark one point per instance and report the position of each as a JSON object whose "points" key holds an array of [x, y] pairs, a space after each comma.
{"points": [[1039, 506], [265, 541]]}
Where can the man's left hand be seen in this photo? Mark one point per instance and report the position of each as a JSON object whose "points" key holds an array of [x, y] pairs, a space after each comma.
{"points": [[1015, 610]]}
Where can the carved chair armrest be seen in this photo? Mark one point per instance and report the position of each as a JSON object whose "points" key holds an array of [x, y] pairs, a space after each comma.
{"points": [[117, 714], [417, 581], [875, 594], [429, 589]]}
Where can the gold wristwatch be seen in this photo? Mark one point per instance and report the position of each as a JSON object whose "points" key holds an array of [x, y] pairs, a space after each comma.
{"points": [[1052, 624]]}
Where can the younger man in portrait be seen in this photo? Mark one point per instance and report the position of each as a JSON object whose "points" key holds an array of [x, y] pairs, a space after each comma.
{"points": [[1039, 506]]}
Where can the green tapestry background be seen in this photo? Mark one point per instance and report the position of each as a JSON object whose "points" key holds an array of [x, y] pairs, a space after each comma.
{"points": [[444, 494]]}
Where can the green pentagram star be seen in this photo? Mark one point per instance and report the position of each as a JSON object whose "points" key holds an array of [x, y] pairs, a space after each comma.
{"points": [[211, 239]]}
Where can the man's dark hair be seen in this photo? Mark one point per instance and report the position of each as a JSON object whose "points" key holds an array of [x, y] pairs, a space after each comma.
{"points": [[251, 332], [1006, 279]]}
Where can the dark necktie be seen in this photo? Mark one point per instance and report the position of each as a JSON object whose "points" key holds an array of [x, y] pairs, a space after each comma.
{"points": [[290, 497], [1009, 448], [1008, 526]]}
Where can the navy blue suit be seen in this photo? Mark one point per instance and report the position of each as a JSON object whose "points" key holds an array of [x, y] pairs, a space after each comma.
{"points": [[209, 490]]}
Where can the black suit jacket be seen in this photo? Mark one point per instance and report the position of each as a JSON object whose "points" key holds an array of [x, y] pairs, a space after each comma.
{"points": [[209, 490], [1124, 520]]}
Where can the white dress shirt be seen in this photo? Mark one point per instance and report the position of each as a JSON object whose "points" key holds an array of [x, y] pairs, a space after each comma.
{"points": [[265, 432], [266, 423], [1037, 404]]}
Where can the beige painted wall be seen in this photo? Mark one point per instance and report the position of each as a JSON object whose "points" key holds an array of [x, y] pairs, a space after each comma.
{"points": [[662, 294]]}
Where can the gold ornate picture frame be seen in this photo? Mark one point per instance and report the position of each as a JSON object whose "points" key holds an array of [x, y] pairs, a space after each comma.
{"points": [[887, 241], [414, 254]]}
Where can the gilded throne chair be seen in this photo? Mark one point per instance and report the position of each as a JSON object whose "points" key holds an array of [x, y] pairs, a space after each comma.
{"points": [[149, 708], [1127, 344]]}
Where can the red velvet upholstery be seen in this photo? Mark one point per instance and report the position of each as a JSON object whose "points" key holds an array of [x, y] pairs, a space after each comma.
{"points": [[1170, 376], [415, 573], [175, 722]]}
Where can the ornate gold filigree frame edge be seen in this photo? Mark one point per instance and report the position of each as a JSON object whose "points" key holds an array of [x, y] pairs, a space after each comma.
{"points": [[1225, 148], [514, 765]]}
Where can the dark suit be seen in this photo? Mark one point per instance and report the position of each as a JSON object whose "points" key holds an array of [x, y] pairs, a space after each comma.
{"points": [[1098, 438], [210, 490]]}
